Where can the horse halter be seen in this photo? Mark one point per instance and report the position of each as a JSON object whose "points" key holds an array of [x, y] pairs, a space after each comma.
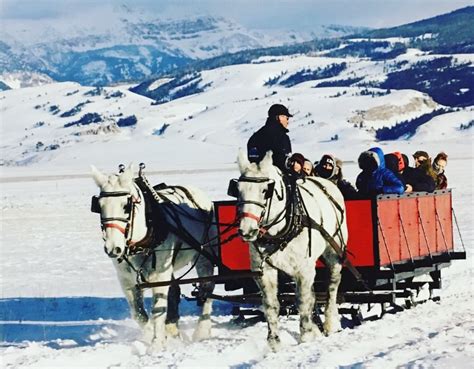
{"points": [[129, 210]]}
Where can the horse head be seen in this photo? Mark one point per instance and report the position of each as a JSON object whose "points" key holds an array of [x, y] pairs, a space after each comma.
{"points": [[121, 210], [256, 187]]}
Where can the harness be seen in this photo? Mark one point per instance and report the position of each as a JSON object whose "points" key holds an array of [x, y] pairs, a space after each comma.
{"points": [[162, 216], [297, 218]]}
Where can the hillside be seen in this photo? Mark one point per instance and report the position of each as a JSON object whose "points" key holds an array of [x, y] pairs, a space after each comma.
{"points": [[443, 34], [432, 69], [216, 111]]}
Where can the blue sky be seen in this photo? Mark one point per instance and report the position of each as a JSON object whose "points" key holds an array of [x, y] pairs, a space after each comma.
{"points": [[264, 14]]}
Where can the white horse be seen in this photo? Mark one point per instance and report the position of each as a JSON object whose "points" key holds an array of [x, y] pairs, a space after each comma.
{"points": [[263, 207], [187, 214]]}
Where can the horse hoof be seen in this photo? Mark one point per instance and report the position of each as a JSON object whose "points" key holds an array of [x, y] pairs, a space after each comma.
{"points": [[142, 320], [332, 326], [172, 330], [202, 332], [156, 345], [148, 334], [310, 336], [274, 343]]}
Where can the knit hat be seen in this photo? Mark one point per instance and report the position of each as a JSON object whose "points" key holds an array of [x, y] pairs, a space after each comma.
{"points": [[297, 157], [327, 160]]}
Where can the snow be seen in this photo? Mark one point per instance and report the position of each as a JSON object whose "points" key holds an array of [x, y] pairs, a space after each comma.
{"points": [[60, 301], [24, 79]]}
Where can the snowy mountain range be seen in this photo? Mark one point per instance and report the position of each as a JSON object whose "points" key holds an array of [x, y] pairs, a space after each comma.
{"points": [[131, 46], [351, 92], [68, 123]]}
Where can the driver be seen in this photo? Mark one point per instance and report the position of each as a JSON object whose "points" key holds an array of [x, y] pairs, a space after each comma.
{"points": [[272, 136]]}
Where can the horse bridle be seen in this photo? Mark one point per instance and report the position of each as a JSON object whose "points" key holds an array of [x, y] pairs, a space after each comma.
{"points": [[264, 206], [109, 222]]}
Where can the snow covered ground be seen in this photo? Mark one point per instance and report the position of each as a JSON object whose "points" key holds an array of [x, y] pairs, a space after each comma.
{"points": [[61, 304]]}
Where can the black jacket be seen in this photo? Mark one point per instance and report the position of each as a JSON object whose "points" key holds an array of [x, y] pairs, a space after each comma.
{"points": [[348, 191], [419, 180], [272, 136]]}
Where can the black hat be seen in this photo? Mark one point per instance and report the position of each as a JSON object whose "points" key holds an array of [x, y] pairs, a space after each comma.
{"points": [[278, 109]]}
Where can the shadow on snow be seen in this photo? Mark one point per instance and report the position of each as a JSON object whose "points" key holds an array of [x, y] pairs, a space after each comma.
{"points": [[76, 321]]}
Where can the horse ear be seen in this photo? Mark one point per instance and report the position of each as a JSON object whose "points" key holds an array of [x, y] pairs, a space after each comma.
{"points": [[131, 168], [99, 178], [242, 160], [267, 161], [128, 173]]}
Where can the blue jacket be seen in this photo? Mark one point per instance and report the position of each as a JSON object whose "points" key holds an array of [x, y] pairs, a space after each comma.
{"points": [[379, 181]]}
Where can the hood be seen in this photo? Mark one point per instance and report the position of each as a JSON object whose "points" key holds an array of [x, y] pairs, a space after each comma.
{"points": [[406, 162], [394, 162], [379, 152], [325, 173], [391, 162]]}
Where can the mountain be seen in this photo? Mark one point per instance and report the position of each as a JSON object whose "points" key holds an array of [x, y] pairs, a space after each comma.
{"points": [[447, 33], [448, 80], [345, 92], [131, 46], [194, 117], [24, 79]]}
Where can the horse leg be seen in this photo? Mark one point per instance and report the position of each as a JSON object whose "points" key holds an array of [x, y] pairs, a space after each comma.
{"points": [[172, 313], [332, 321], [133, 294], [306, 299], [203, 329], [155, 331], [134, 298], [268, 284]]}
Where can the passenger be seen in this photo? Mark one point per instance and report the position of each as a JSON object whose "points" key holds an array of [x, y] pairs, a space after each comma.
{"points": [[272, 136], [423, 161], [439, 165], [415, 180], [308, 168], [296, 164], [375, 178], [326, 168], [330, 168]]}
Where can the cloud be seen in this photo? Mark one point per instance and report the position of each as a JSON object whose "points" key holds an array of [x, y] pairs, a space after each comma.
{"points": [[296, 14]]}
